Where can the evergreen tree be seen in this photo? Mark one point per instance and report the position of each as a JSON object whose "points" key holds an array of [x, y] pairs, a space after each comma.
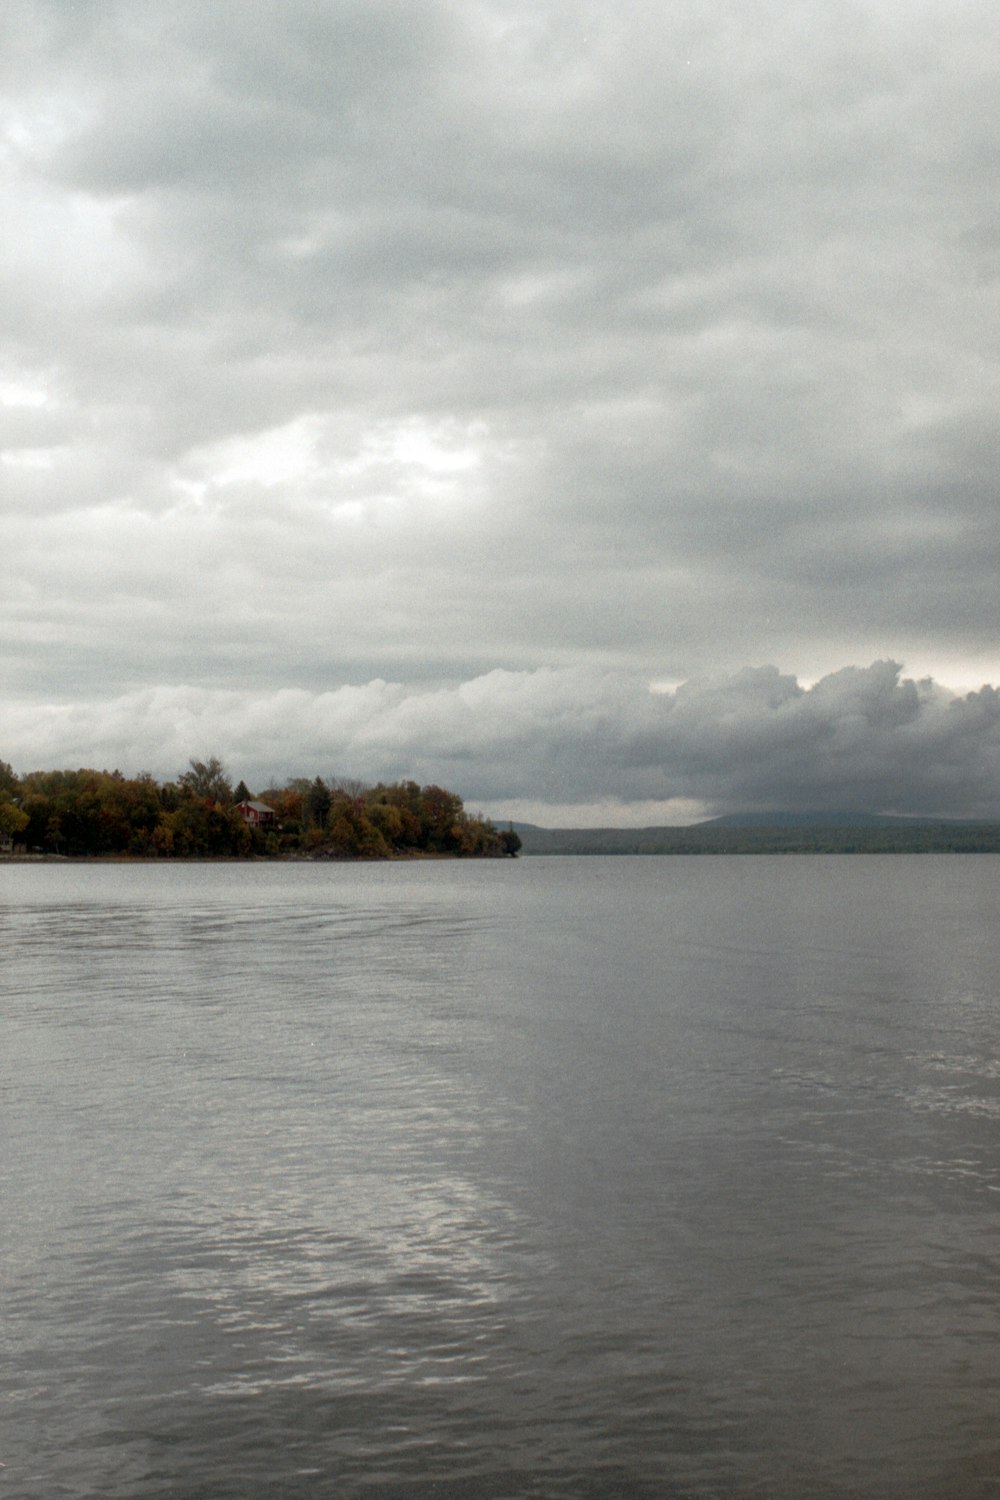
{"points": [[318, 801]]}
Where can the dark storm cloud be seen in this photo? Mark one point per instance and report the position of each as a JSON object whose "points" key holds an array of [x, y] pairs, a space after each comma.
{"points": [[349, 342], [858, 738]]}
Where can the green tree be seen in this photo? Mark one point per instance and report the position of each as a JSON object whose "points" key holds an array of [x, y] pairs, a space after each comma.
{"points": [[130, 810], [389, 821], [205, 829], [510, 842], [13, 819], [395, 810]]}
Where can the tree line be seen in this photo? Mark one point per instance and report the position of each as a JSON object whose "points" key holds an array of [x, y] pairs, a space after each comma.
{"points": [[89, 813]]}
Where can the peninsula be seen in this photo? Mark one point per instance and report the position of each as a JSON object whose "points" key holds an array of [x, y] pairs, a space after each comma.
{"points": [[89, 813]]}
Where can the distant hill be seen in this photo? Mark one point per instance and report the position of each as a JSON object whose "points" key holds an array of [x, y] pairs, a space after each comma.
{"points": [[842, 832], [839, 818]]}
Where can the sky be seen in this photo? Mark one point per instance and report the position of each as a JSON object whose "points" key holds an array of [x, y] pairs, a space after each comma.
{"points": [[589, 408]]}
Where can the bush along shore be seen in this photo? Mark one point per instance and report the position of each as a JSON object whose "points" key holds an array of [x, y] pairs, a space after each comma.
{"points": [[201, 815]]}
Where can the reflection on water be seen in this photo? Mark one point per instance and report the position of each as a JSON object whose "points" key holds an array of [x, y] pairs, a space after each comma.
{"points": [[556, 1178]]}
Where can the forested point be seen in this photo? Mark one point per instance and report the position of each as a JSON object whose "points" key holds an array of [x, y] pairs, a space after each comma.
{"points": [[88, 813]]}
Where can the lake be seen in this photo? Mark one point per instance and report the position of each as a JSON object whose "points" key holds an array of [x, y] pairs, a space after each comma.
{"points": [[606, 1177]]}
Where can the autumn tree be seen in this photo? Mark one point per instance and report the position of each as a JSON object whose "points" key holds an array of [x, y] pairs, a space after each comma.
{"points": [[91, 812], [441, 818], [200, 828], [207, 779], [351, 786]]}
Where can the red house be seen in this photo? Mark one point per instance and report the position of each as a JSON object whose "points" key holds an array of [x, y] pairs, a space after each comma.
{"points": [[256, 814]]}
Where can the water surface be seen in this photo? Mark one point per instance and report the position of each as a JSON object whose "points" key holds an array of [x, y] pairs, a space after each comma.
{"points": [[564, 1177]]}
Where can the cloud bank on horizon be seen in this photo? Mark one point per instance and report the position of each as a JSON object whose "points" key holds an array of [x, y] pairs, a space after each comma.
{"points": [[515, 742], [405, 390]]}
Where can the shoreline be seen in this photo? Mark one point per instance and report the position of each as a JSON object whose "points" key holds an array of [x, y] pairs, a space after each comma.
{"points": [[243, 859]]}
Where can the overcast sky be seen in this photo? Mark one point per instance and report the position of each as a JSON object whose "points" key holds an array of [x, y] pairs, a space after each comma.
{"points": [[592, 408]]}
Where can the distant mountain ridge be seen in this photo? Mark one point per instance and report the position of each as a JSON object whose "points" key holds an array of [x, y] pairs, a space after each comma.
{"points": [[834, 818], [842, 831]]}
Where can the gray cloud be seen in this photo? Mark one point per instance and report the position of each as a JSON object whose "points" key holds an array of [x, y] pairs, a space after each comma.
{"points": [[860, 737], [361, 341]]}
